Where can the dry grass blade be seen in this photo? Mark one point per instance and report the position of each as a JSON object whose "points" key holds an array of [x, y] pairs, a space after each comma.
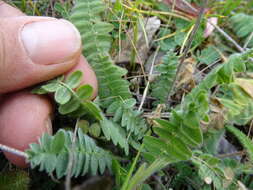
{"points": [[188, 44]]}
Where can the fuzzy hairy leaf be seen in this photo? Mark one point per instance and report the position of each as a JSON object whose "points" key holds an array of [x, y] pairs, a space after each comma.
{"points": [[244, 140], [242, 25], [87, 155], [209, 55], [113, 132], [70, 106], [209, 170], [237, 102], [185, 119], [51, 87], [97, 42], [163, 83], [127, 117], [93, 109]]}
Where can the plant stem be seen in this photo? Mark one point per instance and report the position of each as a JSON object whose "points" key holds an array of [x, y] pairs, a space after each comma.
{"points": [[242, 50], [248, 41], [13, 151], [71, 159], [227, 37], [148, 84]]}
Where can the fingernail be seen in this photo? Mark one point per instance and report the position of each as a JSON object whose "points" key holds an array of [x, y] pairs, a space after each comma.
{"points": [[51, 42]]}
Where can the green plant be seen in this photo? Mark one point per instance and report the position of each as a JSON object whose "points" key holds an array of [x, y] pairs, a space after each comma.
{"points": [[16, 179], [244, 140], [97, 42], [208, 55], [69, 101], [161, 87], [114, 91], [182, 132], [182, 141], [87, 155], [242, 28]]}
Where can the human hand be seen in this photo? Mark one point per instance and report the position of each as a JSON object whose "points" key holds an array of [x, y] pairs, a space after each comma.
{"points": [[33, 50]]}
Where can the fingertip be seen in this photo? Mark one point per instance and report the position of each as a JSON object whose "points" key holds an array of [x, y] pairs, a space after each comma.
{"points": [[20, 67], [24, 117]]}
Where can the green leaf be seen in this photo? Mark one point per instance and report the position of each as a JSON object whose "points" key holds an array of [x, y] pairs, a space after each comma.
{"points": [[62, 164], [97, 44], [48, 166], [74, 80], [84, 92], [62, 95], [242, 26], [169, 150], [51, 87], [166, 125], [38, 90], [69, 107], [209, 55], [129, 103], [95, 130], [46, 142], [58, 142], [112, 132], [88, 156], [244, 140], [83, 125], [161, 87], [93, 109], [143, 173]]}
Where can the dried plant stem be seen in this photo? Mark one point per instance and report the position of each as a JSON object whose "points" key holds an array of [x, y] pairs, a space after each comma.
{"points": [[71, 159], [227, 37], [13, 151], [239, 153], [148, 83], [188, 45], [248, 41], [242, 50]]}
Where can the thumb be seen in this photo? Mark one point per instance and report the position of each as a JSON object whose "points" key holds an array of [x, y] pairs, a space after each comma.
{"points": [[35, 49]]}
